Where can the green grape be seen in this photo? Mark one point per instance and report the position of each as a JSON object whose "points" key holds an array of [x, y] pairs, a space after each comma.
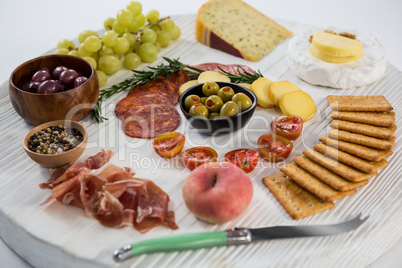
{"points": [[141, 20], [153, 16], [158, 46], [174, 32], [155, 28], [163, 37], [148, 36], [102, 78], [108, 23], [131, 38], [109, 64], [105, 51], [92, 44], [122, 46], [63, 51], [124, 17], [73, 53], [119, 29], [95, 55], [134, 26], [147, 52], [135, 7], [84, 34], [109, 38], [167, 24], [131, 60], [92, 61], [65, 43], [82, 52]]}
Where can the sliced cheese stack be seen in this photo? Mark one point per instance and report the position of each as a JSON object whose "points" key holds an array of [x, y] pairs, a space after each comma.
{"points": [[334, 48], [352, 153], [236, 28]]}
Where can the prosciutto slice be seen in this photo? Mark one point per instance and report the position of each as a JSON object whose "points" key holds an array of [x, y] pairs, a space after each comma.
{"points": [[112, 195]]}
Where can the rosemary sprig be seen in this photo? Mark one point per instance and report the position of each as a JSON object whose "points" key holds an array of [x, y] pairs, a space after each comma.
{"points": [[142, 77]]}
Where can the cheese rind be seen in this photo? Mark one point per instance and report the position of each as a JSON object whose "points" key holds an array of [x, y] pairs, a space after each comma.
{"points": [[236, 28], [336, 45]]}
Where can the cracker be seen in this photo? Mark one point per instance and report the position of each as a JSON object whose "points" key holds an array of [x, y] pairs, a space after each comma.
{"points": [[351, 160], [313, 184], [362, 139], [359, 103], [346, 172], [364, 129], [386, 119], [364, 152], [327, 176], [297, 202]]}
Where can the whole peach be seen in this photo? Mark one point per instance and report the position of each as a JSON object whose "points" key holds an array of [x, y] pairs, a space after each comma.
{"points": [[217, 192]]}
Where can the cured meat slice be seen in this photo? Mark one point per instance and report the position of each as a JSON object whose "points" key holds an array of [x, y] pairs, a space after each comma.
{"points": [[148, 121], [157, 86], [115, 197], [231, 68], [179, 78]]}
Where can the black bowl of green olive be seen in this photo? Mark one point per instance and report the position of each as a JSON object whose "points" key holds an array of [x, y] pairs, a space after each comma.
{"points": [[218, 107]]}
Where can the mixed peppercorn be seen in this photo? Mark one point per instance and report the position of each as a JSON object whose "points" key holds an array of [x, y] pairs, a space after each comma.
{"points": [[55, 140]]}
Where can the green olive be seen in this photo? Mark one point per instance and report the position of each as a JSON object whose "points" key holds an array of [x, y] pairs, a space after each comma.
{"points": [[230, 108], [190, 101], [213, 115], [199, 110], [226, 93], [214, 103], [203, 99], [242, 100], [210, 88]]}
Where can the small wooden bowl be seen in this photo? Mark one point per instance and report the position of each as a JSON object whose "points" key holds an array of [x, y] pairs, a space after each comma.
{"points": [[62, 159], [73, 104]]}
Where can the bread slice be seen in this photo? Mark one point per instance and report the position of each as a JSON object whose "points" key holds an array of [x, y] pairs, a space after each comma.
{"points": [[236, 28]]}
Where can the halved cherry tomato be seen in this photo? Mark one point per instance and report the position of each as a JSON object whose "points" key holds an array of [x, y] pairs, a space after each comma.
{"points": [[287, 126], [274, 148], [168, 144], [199, 155], [246, 159]]}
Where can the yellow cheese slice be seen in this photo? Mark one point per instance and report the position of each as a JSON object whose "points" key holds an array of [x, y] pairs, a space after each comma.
{"points": [[236, 28], [298, 103], [337, 46], [316, 53]]}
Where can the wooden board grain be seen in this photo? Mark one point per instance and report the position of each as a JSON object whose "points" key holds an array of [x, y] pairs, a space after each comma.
{"points": [[55, 235]]}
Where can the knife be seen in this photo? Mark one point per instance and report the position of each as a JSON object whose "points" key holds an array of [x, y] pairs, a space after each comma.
{"points": [[236, 236]]}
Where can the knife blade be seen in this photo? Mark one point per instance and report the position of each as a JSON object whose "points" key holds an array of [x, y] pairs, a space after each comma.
{"points": [[236, 236]]}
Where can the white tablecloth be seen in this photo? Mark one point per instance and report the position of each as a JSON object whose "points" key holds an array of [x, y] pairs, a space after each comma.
{"points": [[30, 28]]}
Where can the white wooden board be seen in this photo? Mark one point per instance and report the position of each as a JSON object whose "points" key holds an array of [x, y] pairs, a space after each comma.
{"points": [[62, 236]]}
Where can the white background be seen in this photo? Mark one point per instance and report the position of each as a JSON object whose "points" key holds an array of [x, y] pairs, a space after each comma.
{"points": [[31, 28]]}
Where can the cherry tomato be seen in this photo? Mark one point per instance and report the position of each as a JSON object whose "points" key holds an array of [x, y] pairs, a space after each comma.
{"points": [[246, 159], [287, 126], [274, 148], [199, 155], [168, 144]]}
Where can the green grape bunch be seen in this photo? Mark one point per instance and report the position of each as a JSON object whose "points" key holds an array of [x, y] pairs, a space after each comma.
{"points": [[130, 38]]}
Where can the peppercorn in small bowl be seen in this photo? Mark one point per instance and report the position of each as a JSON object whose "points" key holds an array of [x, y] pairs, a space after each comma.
{"points": [[57, 143]]}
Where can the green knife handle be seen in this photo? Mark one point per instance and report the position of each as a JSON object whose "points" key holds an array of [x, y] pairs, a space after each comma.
{"points": [[171, 243]]}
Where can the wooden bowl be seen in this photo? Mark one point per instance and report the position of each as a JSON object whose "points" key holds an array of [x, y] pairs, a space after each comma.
{"points": [[73, 104], [61, 159], [221, 125]]}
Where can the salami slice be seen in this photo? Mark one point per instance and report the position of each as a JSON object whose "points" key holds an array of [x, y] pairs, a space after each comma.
{"points": [[179, 78], [231, 68], [148, 121], [157, 86]]}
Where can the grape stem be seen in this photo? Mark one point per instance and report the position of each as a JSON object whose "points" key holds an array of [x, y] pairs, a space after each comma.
{"points": [[165, 70]]}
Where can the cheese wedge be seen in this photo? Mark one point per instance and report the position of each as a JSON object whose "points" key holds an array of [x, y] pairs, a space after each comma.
{"points": [[236, 28], [337, 46], [316, 53]]}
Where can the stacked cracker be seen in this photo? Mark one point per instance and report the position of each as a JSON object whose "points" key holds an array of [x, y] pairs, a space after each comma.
{"points": [[354, 150]]}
